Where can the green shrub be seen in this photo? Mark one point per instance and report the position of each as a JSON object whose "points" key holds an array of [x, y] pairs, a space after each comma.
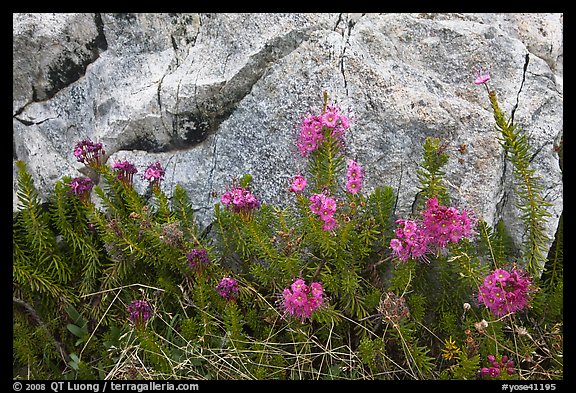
{"points": [[331, 285]]}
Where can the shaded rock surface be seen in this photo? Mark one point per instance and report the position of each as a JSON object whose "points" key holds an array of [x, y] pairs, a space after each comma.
{"points": [[215, 96]]}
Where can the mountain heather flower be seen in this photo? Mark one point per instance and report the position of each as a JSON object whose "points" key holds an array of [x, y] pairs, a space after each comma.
{"points": [[411, 240], [300, 300], [90, 153], [240, 200], [227, 288], [140, 311], [125, 171], [198, 259], [325, 208], [504, 292], [81, 187], [497, 368], [154, 174], [298, 183], [314, 128], [354, 176], [439, 226], [445, 224]]}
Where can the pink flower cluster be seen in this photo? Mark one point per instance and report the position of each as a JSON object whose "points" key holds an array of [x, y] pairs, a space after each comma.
{"points": [[497, 368], [240, 199], [140, 312], [154, 174], [81, 186], [439, 225], [504, 292], [412, 240], [300, 300], [444, 224], [125, 171], [324, 207], [89, 153], [313, 128], [298, 183], [197, 258], [354, 176], [227, 288]]}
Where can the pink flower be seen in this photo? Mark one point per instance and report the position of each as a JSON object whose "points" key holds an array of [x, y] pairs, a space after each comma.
{"points": [[324, 207], [354, 175], [197, 259], [504, 292], [225, 198], [330, 118], [344, 121], [81, 187], [329, 224], [227, 288], [326, 214], [299, 285], [411, 241], [298, 183], [443, 224], [500, 275], [139, 312], [300, 300], [498, 367], [316, 289], [354, 170], [482, 76], [396, 245], [330, 204], [240, 200], [125, 171], [154, 174], [353, 186], [314, 129], [89, 153]]}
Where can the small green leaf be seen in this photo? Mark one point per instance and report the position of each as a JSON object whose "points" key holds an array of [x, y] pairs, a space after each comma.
{"points": [[246, 180], [71, 311], [79, 332]]}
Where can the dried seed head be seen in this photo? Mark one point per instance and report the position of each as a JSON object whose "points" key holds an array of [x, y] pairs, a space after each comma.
{"points": [[393, 307]]}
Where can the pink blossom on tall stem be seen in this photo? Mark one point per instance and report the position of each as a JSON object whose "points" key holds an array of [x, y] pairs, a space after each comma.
{"points": [[125, 171], [440, 225], [315, 128], [89, 153], [411, 240], [324, 207], [354, 175], [482, 78], [445, 224], [154, 174], [240, 200]]}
